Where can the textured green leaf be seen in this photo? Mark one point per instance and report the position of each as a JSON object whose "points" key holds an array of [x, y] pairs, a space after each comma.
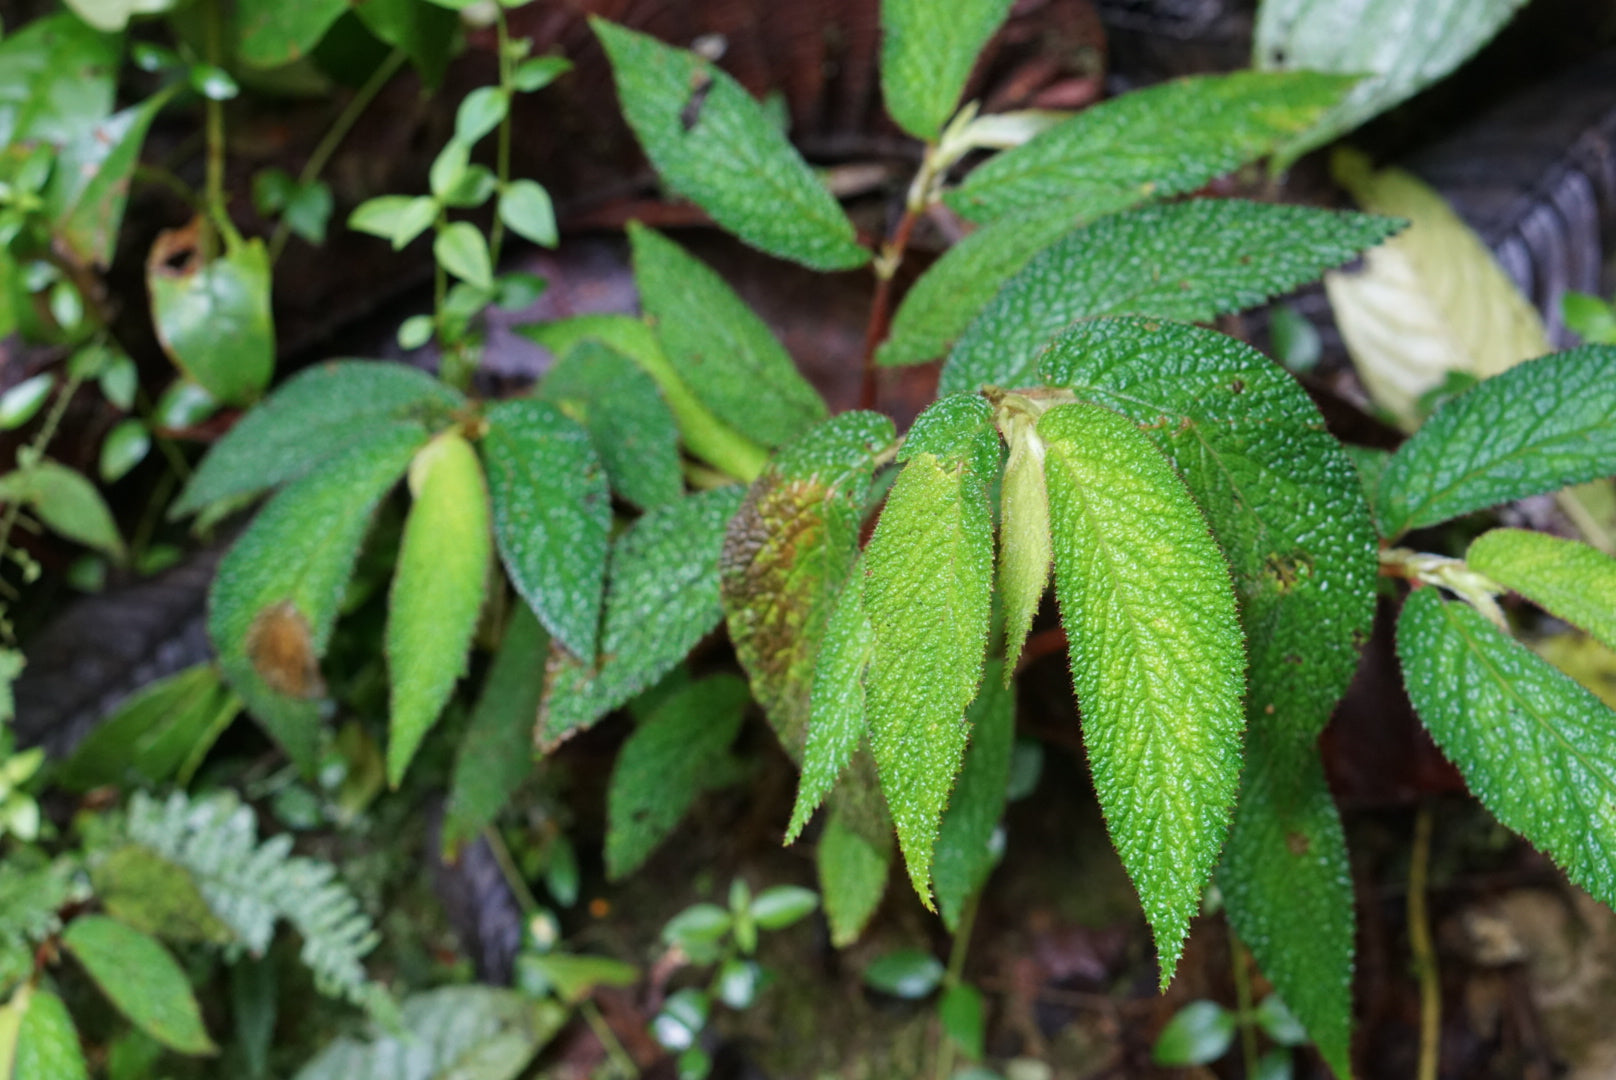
{"points": [[213, 318], [928, 48], [719, 347], [58, 76], [89, 186], [140, 977], [437, 592], [679, 751], [854, 854], [278, 590], [712, 143], [788, 553], [1281, 495], [496, 753], [47, 1045], [928, 583], [1532, 429], [1024, 553], [1287, 888], [312, 417], [1401, 45], [1188, 261], [965, 853], [1568, 579], [1156, 657], [164, 727], [143, 890], [277, 32], [552, 513], [1151, 143], [1533, 746], [661, 600]]}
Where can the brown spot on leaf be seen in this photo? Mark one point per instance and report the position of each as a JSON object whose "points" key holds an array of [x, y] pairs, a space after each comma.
{"points": [[280, 645], [1238, 386], [1288, 571], [1297, 844]]}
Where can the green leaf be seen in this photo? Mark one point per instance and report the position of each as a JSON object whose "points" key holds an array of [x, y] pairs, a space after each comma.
{"points": [[1282, 497], [426, 33], [1024, 552], [928, 49], [1200, 1032], [539, 72], [124, 447], [1535, 428], [213, 318], [479, 113], [312, 417], [962, 1013], [525, 207], [277, 32], [928, 584], [679, 751], [1287, 888], [712, 143], [47, 1046], [696, 926], [1278, 1023], [279, 589], [574, 978], [461, 250], [1533, 745], [854, 854], [905, 973], [451, 1033], [552, 512], [1401, 47], [781, 906], [1188, 261], [89, 187], [1157, 660], [22, 402], [68, 504], [437, 592], [1568, 579], [719, 347], [496, 752], [162, 730], [629, 423], [57, 77], [965, 852], [788, 553], [143, 890], [110, 16], [662, 598], [139, 977], [1151, 143]]}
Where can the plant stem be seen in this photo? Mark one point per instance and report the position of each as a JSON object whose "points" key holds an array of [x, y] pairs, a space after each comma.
{"points": [[502, 161], [507, 868], [333, 137], [875, 330], [622, 1064], [214, 110], [1239, 964], [1419, 940], [957, 952]]}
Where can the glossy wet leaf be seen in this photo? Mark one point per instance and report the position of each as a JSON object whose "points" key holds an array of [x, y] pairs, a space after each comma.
{"points": [[313, 416], [89, 186], [965, 852], [1533, 745], [526, 209], [1533, 429], [22, 402], [1200, 1032], [905, 973], [461, 250], [279, 589], [125, 446], [1566, 578], [780, 906], [712, 143], [57, 77], [68, 504], [213, 318], [928, 48], [679, 751], [437, 592], [277, 32], [1157, 658], [928, 583], [854, 854], [47, 1044], [723, 351], [788, 553], [1282, 497], [1188, 261], [552, 512], [661, 599], [142, 979], [1151, 143]]}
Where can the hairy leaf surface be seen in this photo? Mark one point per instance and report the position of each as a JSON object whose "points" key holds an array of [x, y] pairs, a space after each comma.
{"points": [[928, 48], [1533, 746], [1024, 551], [854, 855], [965, 852], [711, 142], [1156, 657], [837, 720], [1566, 578], [1188, 261]]}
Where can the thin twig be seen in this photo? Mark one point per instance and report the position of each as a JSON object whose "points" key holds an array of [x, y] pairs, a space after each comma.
{"points": [[1419, 940], [956, 969], [875, 331], [622, 1063]]}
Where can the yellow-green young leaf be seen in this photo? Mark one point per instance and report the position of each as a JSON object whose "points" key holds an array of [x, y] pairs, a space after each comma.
{"points": [[278, 590], [787, 555], [1287, 887], [1151, 143], [1568, 579], [854, 854], [928, 48], [1156, 657], [928, 581], [139, 976], [661, 599], [46, 1046], [1024, 552], [1428, 301], [965, 853], [1533, 746], [712, 143], [1533, 429], [552, 513], [1187, 261], [437, 591], [496, 753], [836, 722], [679, 751], [720, 348], [213, 318]]}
